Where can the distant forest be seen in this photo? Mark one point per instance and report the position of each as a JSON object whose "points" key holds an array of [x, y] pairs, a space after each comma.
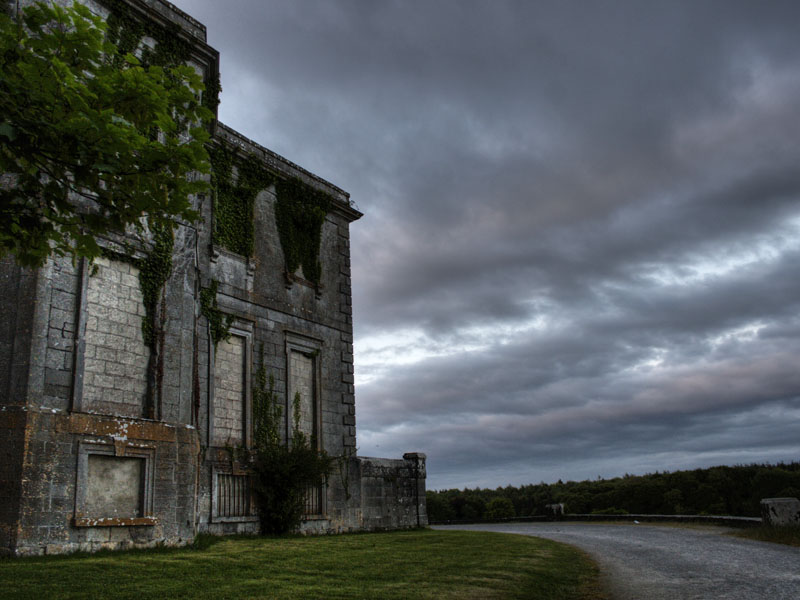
{"points": [[733, 491]]}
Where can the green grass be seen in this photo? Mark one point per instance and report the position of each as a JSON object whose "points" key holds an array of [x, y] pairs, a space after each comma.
{"points": [[789, 535], [407, 564]]}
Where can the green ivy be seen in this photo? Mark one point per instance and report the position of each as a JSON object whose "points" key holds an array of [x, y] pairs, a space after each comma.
{"points": [[234, 202], [300, 211], [126, 33], [219, 322], [170, 48], [282, 471], [212, 92], [154, 270]]}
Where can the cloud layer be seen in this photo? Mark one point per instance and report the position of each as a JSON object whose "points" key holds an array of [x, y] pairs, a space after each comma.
{"points": [[581, 248]]}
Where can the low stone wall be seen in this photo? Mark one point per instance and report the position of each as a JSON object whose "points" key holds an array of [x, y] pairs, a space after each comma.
{"points": [[393, 492], [780, 511]]}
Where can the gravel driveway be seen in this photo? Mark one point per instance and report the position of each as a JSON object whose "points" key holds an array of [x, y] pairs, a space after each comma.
{"points": [[647, 562]]}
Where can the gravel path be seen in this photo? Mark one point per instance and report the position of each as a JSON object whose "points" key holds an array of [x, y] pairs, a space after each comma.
{"points": [[647, 562]]}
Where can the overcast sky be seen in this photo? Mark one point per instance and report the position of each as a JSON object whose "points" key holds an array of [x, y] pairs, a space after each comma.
{"points": [[580, 254]]}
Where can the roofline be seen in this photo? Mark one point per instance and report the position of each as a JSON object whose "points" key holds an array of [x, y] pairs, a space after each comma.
{"points": [[276, 162]]}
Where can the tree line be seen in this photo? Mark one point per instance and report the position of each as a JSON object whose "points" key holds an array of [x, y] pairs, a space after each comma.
{"points": [[721, 490]]}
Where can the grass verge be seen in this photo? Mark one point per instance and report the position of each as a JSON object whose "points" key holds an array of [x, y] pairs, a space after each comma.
{"points": [[406, 564], [787, 534]]}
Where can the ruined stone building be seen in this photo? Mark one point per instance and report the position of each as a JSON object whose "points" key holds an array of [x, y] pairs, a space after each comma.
{"points": [[115, 435]]}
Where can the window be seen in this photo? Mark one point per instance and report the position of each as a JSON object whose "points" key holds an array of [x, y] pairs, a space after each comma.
{"points": [[115, 485], [230, 420], [232, 498], [302, 359]]}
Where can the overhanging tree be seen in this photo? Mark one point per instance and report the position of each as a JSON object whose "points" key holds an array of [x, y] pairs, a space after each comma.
{"points": [[91, 141]]}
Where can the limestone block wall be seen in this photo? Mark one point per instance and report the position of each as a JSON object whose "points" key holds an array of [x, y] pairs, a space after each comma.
{"points": [[780, 511], [301, 376], [18, 292], [229, 382], [393, 492], [115, 355]]}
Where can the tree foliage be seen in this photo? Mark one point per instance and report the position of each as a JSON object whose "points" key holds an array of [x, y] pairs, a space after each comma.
{"points": [[92, 141], [721, 490]]}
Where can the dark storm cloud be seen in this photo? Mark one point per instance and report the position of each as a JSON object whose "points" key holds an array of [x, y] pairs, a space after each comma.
{"points": [[581, 248]]}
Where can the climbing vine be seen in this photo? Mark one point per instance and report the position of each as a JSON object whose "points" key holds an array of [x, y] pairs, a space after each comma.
{"points": [[169, 50], [154, 270], [300, 212], [282, 471], [234, 202], [219, 322], [212, 92]]}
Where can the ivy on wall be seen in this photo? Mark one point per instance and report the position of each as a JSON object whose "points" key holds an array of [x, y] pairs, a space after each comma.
{"points": [[300, 212], [170, 49], [234, 201], [154, 270], [283, 470], [219, 322]]}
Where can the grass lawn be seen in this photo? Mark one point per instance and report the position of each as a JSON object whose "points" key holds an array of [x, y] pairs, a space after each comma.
{"points": [[789, 535], [406, 564]]}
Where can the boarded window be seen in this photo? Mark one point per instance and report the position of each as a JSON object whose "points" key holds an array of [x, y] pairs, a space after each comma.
{"points": [[229, 391], [115, 357], [114, 486], [302, 383]]}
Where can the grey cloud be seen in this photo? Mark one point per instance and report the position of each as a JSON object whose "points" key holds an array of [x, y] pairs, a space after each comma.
{"points": [[567, 164]]}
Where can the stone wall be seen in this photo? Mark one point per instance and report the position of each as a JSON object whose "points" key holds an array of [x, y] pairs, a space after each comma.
{"points": [[115, 355], [229, 383], [393, 492], [780, 511]]}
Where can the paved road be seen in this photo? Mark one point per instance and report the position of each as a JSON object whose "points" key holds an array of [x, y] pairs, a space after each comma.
{"points": [[648, 562]]}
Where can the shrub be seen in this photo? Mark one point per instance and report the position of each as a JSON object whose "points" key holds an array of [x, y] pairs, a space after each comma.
{"points": [[283, 471]]}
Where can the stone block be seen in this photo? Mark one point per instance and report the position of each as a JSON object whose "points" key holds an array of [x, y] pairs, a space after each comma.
{"points": [[780, 511]]}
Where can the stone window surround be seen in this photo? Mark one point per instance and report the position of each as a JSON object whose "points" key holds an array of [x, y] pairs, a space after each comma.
{"points": [[299, 342], [79, 356], [222, 469], [243, 329], [296, 341], [121, 449]]}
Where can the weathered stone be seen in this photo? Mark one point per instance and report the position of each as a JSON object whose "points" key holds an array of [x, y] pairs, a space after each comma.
{"points": [[109, 444], [780, 511]]}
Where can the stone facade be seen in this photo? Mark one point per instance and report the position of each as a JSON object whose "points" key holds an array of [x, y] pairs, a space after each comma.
{"points": [[106, 442]]}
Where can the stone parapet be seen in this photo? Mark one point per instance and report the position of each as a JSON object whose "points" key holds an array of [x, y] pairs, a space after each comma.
{"points": [[780, 511]]}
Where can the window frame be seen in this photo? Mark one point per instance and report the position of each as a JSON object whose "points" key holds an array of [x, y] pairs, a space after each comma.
{"points": [[122, 450], [243, 329], [309, 346]]}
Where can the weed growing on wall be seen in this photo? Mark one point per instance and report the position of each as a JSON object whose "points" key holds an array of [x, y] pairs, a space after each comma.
{"points": [[283, 470], [219, 322], [154, 270]]}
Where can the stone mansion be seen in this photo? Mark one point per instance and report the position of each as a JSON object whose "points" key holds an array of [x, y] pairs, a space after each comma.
{"points": [[109, 439]]}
